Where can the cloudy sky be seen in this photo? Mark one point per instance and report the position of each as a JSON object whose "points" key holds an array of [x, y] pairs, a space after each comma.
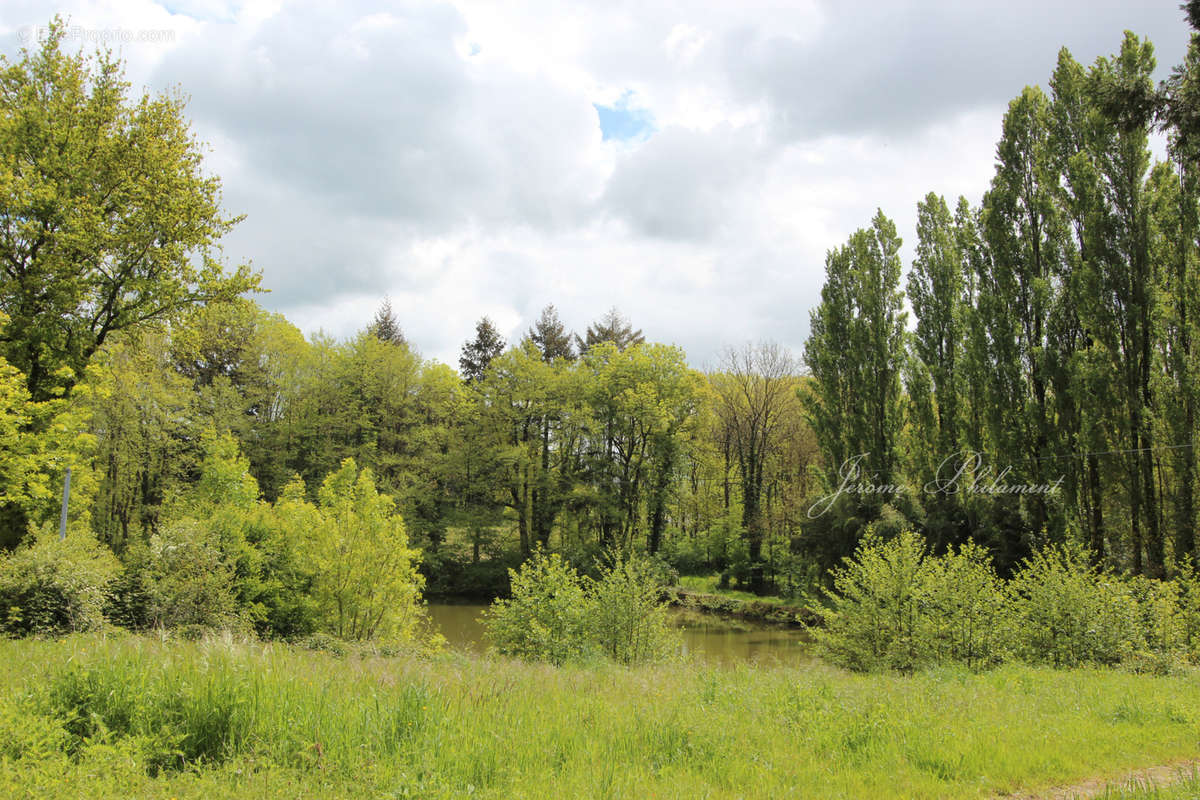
{"points": [[688, 162]]}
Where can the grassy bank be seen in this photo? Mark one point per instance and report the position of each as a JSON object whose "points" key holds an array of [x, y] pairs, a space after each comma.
{"points": [[124, 716], [704, 594]]}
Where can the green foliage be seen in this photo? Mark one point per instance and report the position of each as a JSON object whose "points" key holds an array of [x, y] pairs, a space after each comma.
{"points": [[626, 612], [110, 219], [181, 577], [38, 442], [964, 618], [546, 617], [366, 579], [876, 615], [1065, 612], [555, 614], [224, 560], [895, 606], [53, 586], [173, 723]]}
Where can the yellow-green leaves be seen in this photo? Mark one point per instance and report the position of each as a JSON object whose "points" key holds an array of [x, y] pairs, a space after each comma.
{"points": [[109, 218], [367, 582]]}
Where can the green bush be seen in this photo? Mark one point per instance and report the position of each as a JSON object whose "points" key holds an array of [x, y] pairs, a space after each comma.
{"points": [[545, 619], [626, 616], [53, 586], [181, 577], [894, 606], [963, 619], [1065, 612], [557, 615], [876, 617], [1188, 582]]}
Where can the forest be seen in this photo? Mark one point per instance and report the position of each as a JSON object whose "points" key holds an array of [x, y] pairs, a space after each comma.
{"points": [[980, 460], [1045, 335]]}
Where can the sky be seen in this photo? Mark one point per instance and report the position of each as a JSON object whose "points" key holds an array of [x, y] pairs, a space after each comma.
{"points": [[689, 162]]}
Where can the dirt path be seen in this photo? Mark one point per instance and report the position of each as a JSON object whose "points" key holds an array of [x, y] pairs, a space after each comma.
{"points": [[1160, 776]]}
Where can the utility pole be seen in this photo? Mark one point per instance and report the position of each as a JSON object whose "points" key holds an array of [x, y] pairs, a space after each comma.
{"points": [[62, 520]]}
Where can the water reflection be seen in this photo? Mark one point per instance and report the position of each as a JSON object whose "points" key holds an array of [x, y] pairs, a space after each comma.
{"points": [[713, 640]]}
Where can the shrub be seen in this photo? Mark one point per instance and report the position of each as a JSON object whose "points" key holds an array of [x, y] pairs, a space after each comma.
{"points": [[1188, 582], [1066, 612], [874, 620], [627, 617], [181, 577], [546, 617], [893, 606], [1161, 646], [557, 615], [963, 612], [53, 586]]}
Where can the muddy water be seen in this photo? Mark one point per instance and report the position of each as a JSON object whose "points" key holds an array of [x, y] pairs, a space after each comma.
{"points": [[707, 638]]}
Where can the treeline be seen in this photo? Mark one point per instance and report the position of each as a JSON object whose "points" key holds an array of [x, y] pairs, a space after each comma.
{"points": [[1054, 330], [577, 444], [1055, 336]]}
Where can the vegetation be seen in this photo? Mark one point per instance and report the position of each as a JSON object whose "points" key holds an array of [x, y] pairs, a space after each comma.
{"points": [[895, 605], [1013, 479], [557, 615], [120, 716]]}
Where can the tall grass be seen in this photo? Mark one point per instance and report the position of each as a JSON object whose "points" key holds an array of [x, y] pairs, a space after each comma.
{"points": [[126, 716]]}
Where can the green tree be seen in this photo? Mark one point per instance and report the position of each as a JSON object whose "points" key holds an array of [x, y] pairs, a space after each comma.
{"points": [[142, 416], [1025, 236], [32, 465], [643, 401], [385, 326], [551, 337], [756, 388], [367, 579], [937, 294], [108, 218], [477, 354], [612, 327], [1119, 307], [856, 353]]}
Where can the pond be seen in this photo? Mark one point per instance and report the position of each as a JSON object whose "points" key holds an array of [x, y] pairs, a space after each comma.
{"points": [[710, 639]]}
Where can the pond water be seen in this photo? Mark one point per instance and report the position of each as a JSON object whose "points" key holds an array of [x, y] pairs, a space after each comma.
{"points": [[709, 639]]}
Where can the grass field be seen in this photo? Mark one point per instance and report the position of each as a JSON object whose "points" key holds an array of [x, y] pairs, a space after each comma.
{"points": [[125, 716]]}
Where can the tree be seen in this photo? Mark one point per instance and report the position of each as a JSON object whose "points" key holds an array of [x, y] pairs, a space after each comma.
{"points": [[856, 352], [935, 289], [143, 417], [551, 337], [643, 401], [108, 219], [385, 326], [1120, 308], [32, 466], [937, 292], [368, 584], [756, 386], [478, 353], [1179, 94], [612, 327]]}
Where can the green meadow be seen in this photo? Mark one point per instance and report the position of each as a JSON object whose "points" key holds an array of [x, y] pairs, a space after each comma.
{"points": [[119, 715]]}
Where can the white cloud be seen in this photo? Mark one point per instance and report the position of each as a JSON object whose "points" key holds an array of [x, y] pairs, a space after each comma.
{"points": [[448, 154]]}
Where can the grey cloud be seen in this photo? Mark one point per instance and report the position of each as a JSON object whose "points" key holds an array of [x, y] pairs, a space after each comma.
{"points": [[684, 184], [893, 68]]}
